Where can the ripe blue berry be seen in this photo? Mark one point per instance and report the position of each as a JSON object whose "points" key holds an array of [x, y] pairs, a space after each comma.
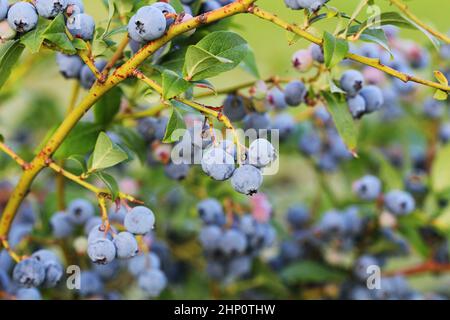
{"points": [[373, 97], [75, 6], [22, 17], [107, 271], [90, 284], [247, 179], [98, 232], [152, 281], [69, 66], [239, 267], [310, 143], [29, 273], [28, 294], [3, 9], [166, 8], [293, 4], [444, 132], [218, 164], [327, 162], [302, 60], [61, 224], [399, 202], [276, 98], [209, 5], [210, 237], [148, 24], [298, 216], [367, 188], [332, 224], [261, 153], [87, 77], [285, 124], [101, 250], [53, 267], [317, 53], [126, 245], [257, 121], [138, 264], [177, 171], [233, 242], [81, 26], [234, 107], [352, 82], [361, 268], [295, 93], [140, 220], [80, 211], [50, 8], [357, 106], [433, 109], [211, 212], [92, 222]]}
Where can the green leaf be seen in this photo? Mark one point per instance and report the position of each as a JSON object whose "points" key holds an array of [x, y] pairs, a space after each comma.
{"points": [[33, 40], [311, 271], [55, 33], [110, 183], [376, 36], [79, 160], [175, 122], [334, 49], [440, 174], [218, 52], [342, 119], [173, 84], [111, 11], [441, 77], [106, 154], [10, 53], [249, 64], [107, 107], [391, 177], [409, 228], [81, 140], [440, 95]]}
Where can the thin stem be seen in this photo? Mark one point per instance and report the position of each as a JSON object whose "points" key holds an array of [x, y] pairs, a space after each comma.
{"points": [[375, 63], [14, 156], [142, 114], [355, 14], [10, 251], [429, 266], [404, 8], [116, 57]]}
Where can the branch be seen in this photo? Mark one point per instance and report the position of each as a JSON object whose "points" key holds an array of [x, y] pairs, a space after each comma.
{"points": [[96, 92], [404, 8], [425, 267], [116, 57], [375, 63], [14, 156]]}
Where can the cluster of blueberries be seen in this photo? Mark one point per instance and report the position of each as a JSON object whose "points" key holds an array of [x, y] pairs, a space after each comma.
{"points": [[310, 5], [231, 242], [23, 16]]}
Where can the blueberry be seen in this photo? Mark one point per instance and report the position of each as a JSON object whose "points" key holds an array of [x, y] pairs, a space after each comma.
{"points": [[321, 113], [87, 77], [276, 98], [248, 225], [415, 183], [79, 211], [140, 220], [391, 31], [433, 109], [302, 60], [75, 6], [298, 216], [177, 172], [117, 214], [293, 4], [247, 179], [199, 135], [209, 5], [257, 121], [69, 66], [233, 242], [22, 16], [81, 25], [360, 293], [352, 82], [210, 237], [290, 250], [135, 46], [228, 146], [92, 222], [106, 271], [234, 107], [399, 202], [444, 132], [332, 224], [367, 188], [215, 270], [218, 164], [317, 53], [28, 294], [4, 5], [152, 281], [50, 8], [126, 245], [5, 282], [166, 8], [98, 232], [261, 153], [18, 233], [211, 211], [53, 267], [138, 264], [310, 143], [353, 223], [101, 250], [285, 124], [90, 284], [373, 97], [239, 267], [149, 23], [357, 106], [327, 162], [29, 273], [295, 93]]}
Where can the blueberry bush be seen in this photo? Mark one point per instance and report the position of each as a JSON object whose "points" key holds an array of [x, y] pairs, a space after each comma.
{"points": [[158, 180]]}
